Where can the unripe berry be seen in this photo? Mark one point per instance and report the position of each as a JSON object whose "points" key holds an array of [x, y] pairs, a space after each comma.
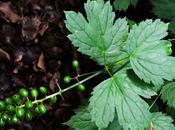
{"points": [[23, 92], [53, 99], [42, 109], [75, 64], [43, 90], [81, 87], [2, 105], [28, 115], [2, 122], [8, 100], [20, 112], [15, 120], [10, 108], [67, 79], [34, 93], [28, 104]]}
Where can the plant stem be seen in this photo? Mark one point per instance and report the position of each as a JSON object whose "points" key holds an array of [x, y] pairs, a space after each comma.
{"points": [[154, 101], [119, 61], [92, 74], [66, 89]]}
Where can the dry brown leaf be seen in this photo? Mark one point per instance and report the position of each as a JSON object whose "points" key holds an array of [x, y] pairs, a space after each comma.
{"points": [[54, 80], [41, 62], [44, 27], [4, 54], [30, 27], [6, 9], [18, 56]]}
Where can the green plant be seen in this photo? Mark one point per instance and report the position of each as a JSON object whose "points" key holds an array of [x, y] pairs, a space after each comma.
{"points": [[138, 62], [124, 4]]}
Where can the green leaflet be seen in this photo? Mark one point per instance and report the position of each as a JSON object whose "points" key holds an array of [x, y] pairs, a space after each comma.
{"points": [[124, 4], [168, 94], [162, 122], [98, 36], [149, 54], [120, 94], [82, 120]]}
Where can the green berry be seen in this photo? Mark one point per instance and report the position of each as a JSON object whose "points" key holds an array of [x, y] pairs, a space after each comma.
{"points": [[9, 120], [75, 64], [20, 112], [28, 104], [37, 110], [28, 115], [10, 108], [16, 97], [34, 93], [2, 122], [81, 87], [67, 79], [23, 92], [42, 109], [2, 105], [15, 120], [5, 116], [8, 100], [53, 99], [43, 90]]}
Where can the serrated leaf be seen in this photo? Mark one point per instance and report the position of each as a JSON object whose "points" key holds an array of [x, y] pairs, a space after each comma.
{"points": [[168, 94], [149, 55], [124, 4], [121, 94], [82, 120], [162, 122], [98, 36]]}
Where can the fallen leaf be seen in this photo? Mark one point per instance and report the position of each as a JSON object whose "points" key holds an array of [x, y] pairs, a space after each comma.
{"points": [[44, 27], [30, 27], [18, 56], [41, 62], [55, 79], [5, 8], [4, 54]]}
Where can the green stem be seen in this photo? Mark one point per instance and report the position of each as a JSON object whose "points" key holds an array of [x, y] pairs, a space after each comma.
{"points": [[66, 89], [86, 74], [119, 61], [92, 74], [154, 101]]}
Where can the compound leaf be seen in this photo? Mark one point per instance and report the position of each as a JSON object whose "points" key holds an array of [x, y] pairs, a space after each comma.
{"points": [[119, 93], [149, 55], [168, 94], [98, 36], [162, 122]]}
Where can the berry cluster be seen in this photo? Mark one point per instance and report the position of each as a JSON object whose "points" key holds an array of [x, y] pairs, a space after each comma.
{"points": [[22, 106]]}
